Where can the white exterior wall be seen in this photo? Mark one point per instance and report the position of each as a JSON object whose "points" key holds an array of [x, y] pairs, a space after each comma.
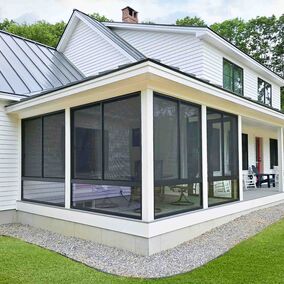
{"points": [[265, 134], [213, 71], [91, 53], [177, 50], [8, 159]]}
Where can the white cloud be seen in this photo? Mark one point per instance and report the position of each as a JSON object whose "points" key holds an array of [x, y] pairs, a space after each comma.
{"points": [[165, 11]]}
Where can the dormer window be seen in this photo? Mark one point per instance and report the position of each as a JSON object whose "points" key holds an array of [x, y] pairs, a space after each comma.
{"points": [[264, 92], [232, 77]]}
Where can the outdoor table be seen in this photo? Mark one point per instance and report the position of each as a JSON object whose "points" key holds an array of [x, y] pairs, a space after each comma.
{"points": [[268, 177]]}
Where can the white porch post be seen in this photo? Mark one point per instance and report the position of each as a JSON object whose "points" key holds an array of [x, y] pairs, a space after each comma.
{"points": [[280, 158], [147, 142], [204, 156], [19, 193], [240, 158], [67, 158]]}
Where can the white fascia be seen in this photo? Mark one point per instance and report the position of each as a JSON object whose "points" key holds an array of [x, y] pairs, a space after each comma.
{"points": [[151, 68], [155, 28], [10, 97]]}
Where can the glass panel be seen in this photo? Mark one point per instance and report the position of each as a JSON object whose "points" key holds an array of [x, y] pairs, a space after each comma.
{"points": [[118, 200], [122, 152], [238, 80], [245, 151], [177, 152], [87, 137], [54, 145], [222, 136], [177, 198], [273, 153], [190, 142], [165, 139], [42, 191], [214, 144], [32, 147], [268, 100], [222, 191], [261, 91]]}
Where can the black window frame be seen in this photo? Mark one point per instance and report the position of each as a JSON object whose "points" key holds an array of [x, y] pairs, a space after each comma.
{"points": [[42, 177], [223, 176], [103, 181], [234, 67], [266, 84], [178, 180], [273, 158], [245, 151]]}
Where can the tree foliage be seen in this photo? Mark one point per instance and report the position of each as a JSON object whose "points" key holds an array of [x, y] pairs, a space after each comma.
{"points": [[190, 21]]}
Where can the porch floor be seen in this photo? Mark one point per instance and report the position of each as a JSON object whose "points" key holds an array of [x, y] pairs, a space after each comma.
{"points": [[260, 192]]}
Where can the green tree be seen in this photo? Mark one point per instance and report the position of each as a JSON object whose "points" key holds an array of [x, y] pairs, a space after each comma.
{"points": [[190, 21], [100, 18]]}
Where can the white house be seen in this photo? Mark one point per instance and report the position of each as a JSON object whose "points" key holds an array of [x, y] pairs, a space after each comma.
{"points": [[138, 136]]}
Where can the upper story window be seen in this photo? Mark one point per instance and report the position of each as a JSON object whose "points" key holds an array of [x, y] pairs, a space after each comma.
{"points": [[232, 77], [264, 92]]}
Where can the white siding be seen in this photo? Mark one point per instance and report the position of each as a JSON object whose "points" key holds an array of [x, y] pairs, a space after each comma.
{"points": [[92, 53], [213, 71], [178, 50], [8, 159]]}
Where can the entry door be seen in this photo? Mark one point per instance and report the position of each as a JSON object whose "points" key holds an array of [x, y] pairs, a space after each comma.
{"points": [[259, 154]]}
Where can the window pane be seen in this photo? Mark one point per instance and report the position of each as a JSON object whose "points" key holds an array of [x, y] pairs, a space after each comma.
{"points": [[238, 80], [261, 91], [32, 147], [273, 153], [118, 200], [122, 152], [176, 146], [87, 137], [222, 136], [190, 142], [245, 151], [54, 145], [42, 191], [214, 144], [165, 139]]}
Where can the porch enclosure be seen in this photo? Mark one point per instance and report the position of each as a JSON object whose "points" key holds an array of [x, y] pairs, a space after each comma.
{"points": [[143, 155]]}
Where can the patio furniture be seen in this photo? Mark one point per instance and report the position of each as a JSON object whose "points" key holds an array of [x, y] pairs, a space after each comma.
{"points": [[249, 181], [268, 178], [183, 199]]}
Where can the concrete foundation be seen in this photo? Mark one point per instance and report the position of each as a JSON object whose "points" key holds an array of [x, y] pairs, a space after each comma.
{"points": [[136, 244]]}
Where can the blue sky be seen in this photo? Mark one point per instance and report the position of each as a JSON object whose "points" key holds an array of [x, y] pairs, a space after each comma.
{"points": [[160, 11]]}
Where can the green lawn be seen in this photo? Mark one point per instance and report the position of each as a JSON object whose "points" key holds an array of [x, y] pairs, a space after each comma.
{"points": [[257, 260]]}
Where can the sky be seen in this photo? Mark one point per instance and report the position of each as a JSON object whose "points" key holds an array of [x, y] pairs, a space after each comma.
{"points": [[158, 11]]}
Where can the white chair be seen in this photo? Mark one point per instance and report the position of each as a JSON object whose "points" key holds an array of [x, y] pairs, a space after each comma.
{"points": [[249, 181]]}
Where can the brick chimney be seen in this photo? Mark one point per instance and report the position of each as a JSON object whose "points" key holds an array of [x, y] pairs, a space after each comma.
{"points": [[129, 15]]}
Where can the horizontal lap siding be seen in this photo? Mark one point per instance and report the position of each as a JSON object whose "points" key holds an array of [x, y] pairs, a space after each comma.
{"points": [[91, 53], [182, 51], [213, 71], [8, 159]]}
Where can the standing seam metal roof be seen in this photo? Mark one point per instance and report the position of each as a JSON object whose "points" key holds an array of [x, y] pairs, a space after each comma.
{"points": [[28, 67]]}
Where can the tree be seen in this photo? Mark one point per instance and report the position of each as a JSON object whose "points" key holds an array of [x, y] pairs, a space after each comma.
{"points": [[100, 18], [190, 21]]}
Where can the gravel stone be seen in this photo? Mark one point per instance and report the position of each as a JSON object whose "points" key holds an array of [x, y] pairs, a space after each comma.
{"points": [[180, 259]]}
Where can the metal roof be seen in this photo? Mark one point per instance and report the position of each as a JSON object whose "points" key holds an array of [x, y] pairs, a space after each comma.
{"points": [[28, 67]]}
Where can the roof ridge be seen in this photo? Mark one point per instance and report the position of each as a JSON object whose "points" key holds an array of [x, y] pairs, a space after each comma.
{"points": [[27, 39], [132, 51]]}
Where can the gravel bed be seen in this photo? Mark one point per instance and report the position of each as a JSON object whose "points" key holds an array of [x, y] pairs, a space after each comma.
{"points": [[180, 259]]}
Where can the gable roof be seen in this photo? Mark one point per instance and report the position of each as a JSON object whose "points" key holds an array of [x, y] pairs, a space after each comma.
{"points": [[28, 67], [202, 32], [115, 39]]}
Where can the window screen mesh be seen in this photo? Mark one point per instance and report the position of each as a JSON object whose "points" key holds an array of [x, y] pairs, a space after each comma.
{"points": [[87, 143], [54, 145], [32, 147], [122, 153]]}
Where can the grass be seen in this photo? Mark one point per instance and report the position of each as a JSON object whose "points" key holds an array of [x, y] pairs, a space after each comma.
{"points": [[257, 260]]}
